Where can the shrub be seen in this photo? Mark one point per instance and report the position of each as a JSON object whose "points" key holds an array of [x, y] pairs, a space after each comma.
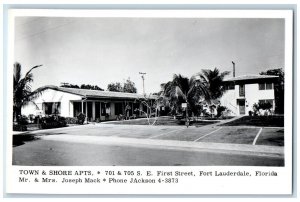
{"points": [[71, 120], [22, 120], [81, 118], [31, 118], [52, 122], [220, 109], [261, 106], [265, 105], [19, 127]]}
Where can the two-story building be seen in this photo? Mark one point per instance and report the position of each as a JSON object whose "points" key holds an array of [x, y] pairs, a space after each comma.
{"points": [[244, 91]]}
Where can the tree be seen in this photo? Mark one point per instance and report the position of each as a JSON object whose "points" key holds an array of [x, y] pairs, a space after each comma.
{"points": [[214, 80], [184, 90], [278, 88], [22, 94], [83, 86], [115, 87], [91, 87], [69, 85], [128, 87], [151, 105]]}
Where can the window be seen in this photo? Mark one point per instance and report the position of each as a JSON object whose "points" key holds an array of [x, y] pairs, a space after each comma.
{"points": [[51, 108], [271, 101], [229, 86], [107, 109], [242, 90], [103, 111], [77, 108], [269, 86], [265, 86], [261, 86], [145, 109]]}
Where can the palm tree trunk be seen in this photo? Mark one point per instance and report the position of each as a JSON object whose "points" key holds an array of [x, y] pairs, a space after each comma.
{"points": [[186, 114], [17, 113]]}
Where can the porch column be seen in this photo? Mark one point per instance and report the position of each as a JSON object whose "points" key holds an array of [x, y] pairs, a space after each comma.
{"points": [[123, 108], [141, 108], [81, 106], [86, 111], [94, 111], [100, 111]]}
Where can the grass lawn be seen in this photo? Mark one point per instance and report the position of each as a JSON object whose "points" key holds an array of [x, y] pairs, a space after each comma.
{"points": [[272, 137], [161, 121], [264, 121], [233, 136]]}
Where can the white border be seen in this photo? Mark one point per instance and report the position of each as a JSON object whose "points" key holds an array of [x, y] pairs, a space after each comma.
{"points": [[279, 185]]}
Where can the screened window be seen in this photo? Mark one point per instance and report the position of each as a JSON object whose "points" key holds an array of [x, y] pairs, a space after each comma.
{"points": [[230, 86], [242, 90], [262, 86], [103, 111], [77, 106], [269, 86], [145, 109], [265, 86], [266, 101], [51, 108]]}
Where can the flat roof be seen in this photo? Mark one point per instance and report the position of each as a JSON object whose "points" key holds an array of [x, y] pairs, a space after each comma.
{"points": [[250, 77], [99, 94]]}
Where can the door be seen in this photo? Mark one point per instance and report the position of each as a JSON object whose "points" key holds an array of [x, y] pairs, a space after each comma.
{"points": [[242, 107]]}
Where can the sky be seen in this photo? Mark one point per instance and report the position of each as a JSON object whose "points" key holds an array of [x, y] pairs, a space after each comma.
{"points": [[99, 51]]}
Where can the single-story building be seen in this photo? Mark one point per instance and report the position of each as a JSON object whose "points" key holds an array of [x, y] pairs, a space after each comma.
{"points": [[243, 92], [95, 104]]}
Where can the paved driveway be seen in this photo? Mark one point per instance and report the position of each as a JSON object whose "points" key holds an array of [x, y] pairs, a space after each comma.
{"points": [[211, 133], [151, 145]]}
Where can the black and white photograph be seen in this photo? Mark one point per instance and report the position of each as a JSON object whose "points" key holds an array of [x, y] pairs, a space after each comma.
{"points": [[151, 91]]}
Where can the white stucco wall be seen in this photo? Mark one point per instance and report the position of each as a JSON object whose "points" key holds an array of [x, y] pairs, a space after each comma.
{"points": [[229, 100], [252, 95], [50, 95]]}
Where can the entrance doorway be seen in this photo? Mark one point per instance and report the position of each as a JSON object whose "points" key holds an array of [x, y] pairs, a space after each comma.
{"points": [[242, 107]]}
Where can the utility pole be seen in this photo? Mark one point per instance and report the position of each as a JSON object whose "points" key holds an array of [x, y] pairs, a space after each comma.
{"points": [[233, 64], [143, 73]]}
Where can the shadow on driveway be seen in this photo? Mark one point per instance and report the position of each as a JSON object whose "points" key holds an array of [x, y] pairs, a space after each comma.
{"points": [[21, 139]]}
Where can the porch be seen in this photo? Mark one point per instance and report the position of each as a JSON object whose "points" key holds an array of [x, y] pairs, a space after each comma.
{"points": [[104, 110]]}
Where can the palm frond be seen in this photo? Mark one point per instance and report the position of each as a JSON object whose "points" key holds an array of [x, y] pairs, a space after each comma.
{"points": [[214, 80], [22, 88], [36, 93], [32, 69]]}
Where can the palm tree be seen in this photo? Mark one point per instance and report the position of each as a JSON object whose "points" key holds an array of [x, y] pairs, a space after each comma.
{"points": [[22, 94], [182, 89], [214, 80]]}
